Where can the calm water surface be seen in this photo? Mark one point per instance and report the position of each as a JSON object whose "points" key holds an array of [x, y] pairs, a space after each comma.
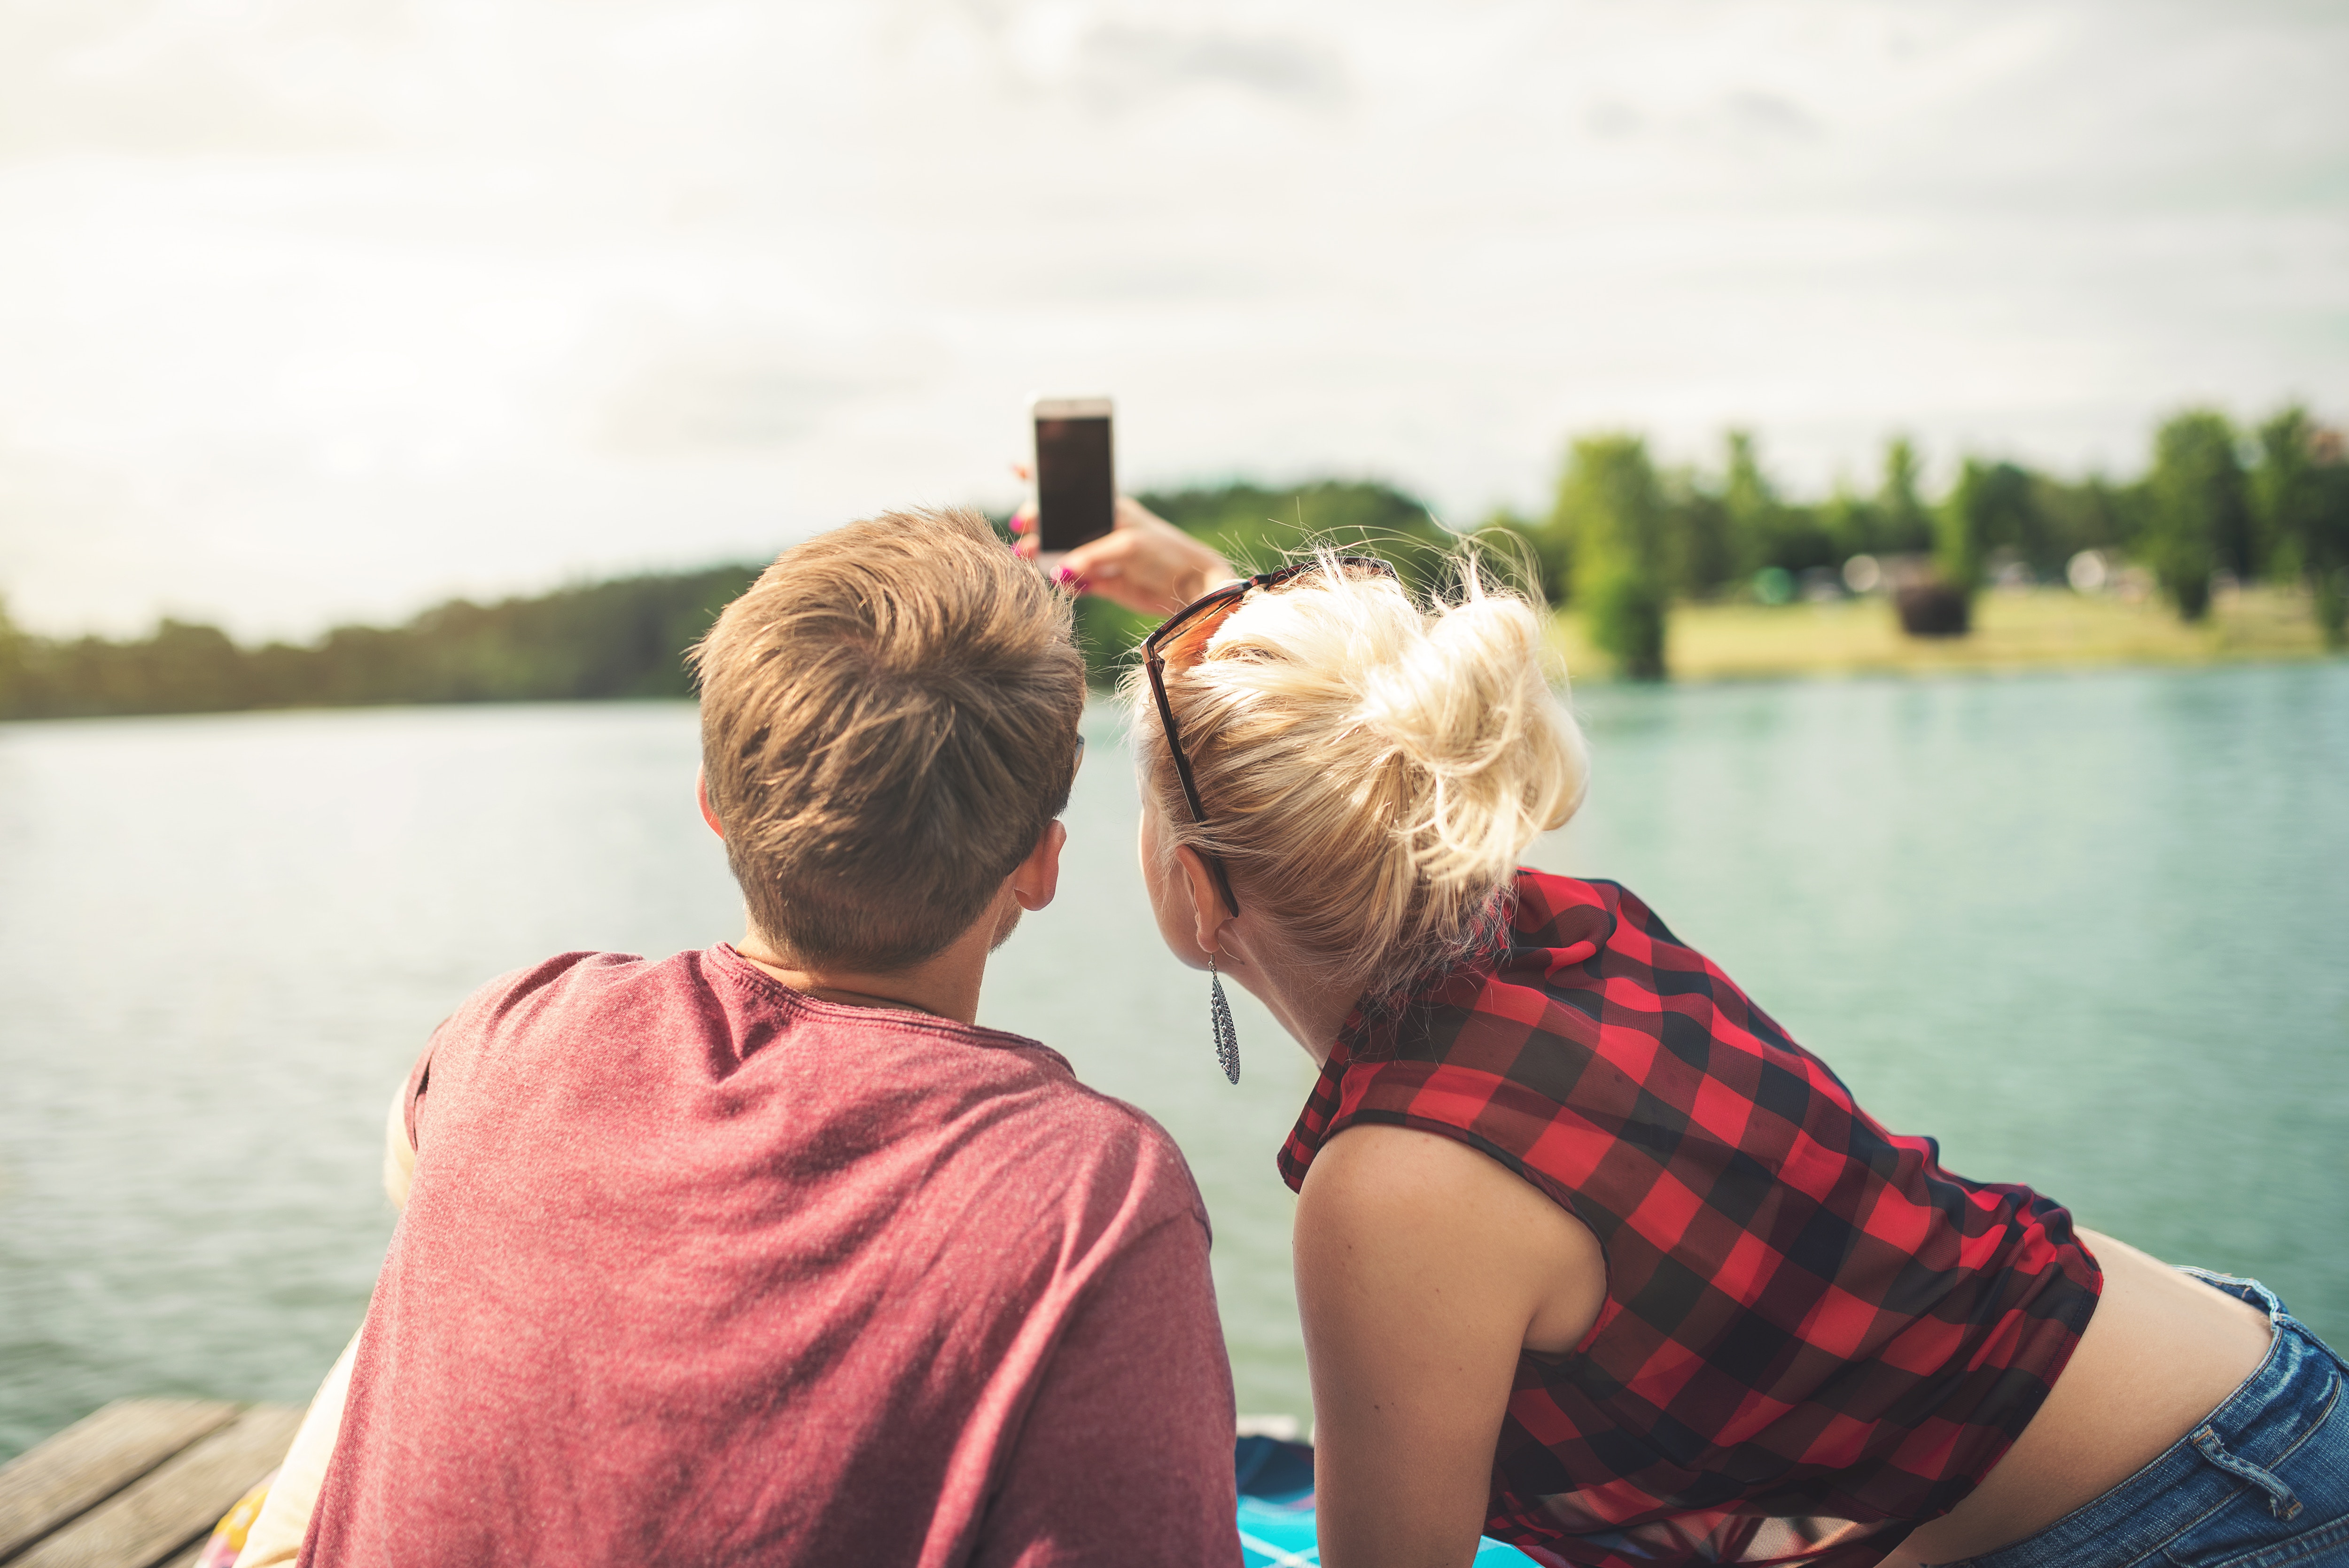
{"points": [[2087, 930]]}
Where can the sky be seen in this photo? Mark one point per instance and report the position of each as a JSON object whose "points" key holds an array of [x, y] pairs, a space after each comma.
{"points": [[321, 310]]}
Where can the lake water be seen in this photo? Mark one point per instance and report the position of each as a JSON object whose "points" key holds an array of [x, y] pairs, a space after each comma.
{"points": [[2091, 931]]}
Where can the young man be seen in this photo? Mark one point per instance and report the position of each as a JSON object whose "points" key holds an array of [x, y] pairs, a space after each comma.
{"points": [[768, 1254]]}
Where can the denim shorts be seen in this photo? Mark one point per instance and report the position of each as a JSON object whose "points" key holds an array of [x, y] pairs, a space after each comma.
{"points": [[2263, 1483]]}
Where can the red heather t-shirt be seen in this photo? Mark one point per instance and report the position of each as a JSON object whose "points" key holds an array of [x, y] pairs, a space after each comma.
{"points": [[698, 1269]]}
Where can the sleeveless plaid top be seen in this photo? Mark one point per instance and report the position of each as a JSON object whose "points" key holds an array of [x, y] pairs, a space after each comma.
{"points": [[1814, 1337]]}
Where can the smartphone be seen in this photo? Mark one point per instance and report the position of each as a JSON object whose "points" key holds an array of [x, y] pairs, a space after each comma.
{"points": [[1076, 481]]}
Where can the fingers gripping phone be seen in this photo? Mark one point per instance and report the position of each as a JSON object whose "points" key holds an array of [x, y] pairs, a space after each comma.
{"points": [[1076, 483]]}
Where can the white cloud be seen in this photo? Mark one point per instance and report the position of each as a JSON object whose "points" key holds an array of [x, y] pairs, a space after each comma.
{"points": [[324, 309]]}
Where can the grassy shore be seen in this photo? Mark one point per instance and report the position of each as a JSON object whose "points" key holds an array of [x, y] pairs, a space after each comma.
{"points": [[2038, 629]]}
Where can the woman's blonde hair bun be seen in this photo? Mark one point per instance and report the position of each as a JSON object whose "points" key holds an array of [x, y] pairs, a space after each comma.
{"points": [[1372, 764]]}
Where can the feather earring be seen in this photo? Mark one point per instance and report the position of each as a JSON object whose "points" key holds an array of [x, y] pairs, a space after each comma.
{"points": [[1219, 1018]]}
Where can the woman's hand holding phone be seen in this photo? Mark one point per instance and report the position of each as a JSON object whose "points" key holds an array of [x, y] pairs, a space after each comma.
{"points": [[1144, 563]]}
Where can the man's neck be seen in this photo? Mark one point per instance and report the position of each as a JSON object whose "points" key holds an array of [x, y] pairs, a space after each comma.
{"points": [[945, 985]]}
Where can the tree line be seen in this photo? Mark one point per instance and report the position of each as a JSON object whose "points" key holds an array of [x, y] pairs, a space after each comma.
{"points": [[623, 638], [1623, 540]]}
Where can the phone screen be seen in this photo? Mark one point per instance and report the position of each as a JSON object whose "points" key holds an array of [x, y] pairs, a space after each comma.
{"points": [[1076, 490]]}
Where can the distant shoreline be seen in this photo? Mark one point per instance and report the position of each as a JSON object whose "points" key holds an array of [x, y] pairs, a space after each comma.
{"points": [[2045, 630], [2033, 629], [625, 640]]}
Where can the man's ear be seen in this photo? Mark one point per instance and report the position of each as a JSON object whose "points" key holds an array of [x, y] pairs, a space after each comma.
{"points": [[702, 794], [1208, 911], [1035, 879]]}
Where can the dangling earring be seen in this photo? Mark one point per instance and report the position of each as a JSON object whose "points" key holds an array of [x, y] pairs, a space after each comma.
{"points": [[1219, 1018]]}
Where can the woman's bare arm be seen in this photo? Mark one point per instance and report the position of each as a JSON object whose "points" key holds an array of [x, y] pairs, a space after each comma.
{"points": [[1144, 563], [1423, 1268]]}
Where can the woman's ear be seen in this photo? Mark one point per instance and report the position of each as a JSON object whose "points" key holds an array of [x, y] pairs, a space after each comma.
{"points": [[701, 795], [1208, 914]]}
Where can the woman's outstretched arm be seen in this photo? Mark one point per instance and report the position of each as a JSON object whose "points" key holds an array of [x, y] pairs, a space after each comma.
{"points": [[1144, 562], [1423, 1269]]}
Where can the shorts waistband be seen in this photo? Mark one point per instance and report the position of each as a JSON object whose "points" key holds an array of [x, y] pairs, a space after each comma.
{"points": [[2267, 1416], [2280, 1320]]}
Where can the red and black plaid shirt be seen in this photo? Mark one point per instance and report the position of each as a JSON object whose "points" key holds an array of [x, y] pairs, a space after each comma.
{"points": [[1814, 1336]]}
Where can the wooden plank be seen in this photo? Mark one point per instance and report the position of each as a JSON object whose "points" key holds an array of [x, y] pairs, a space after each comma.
{"points": [[178, 1502], [95, 1457]]}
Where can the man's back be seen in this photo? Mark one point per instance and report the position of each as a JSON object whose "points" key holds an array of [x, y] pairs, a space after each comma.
{"points": [[699, 1269]]}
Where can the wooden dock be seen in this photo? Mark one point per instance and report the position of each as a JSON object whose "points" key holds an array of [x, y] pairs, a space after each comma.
{"points": [[136, 1484]]}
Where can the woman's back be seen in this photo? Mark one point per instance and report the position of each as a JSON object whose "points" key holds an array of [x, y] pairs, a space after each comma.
{"points": [[1809, 1329]]}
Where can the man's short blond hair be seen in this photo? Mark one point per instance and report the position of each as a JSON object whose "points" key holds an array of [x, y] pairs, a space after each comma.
{"points": [[888, 724]]}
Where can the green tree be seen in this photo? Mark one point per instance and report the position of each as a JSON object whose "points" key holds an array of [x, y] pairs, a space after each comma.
{"points": [[1610, 508], [1769, 530], [2090, 514], [1962, 529], [1989, 507], [1853, 524], [2324, 558], [2198, 516], [2287, 488], [13, 652], [189, 668], [1906, 525], [1702, 550], [1750, 499], [2300, 497]]}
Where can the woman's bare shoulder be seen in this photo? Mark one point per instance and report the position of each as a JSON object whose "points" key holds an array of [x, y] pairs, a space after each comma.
{"points": [[1407, 1204]]}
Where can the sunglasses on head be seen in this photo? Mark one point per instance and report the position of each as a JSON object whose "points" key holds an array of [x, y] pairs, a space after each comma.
{"points": [[1184, 636]]}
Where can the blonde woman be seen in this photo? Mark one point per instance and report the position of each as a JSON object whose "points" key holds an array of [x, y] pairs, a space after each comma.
{"points": [[1591, 1256]]}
